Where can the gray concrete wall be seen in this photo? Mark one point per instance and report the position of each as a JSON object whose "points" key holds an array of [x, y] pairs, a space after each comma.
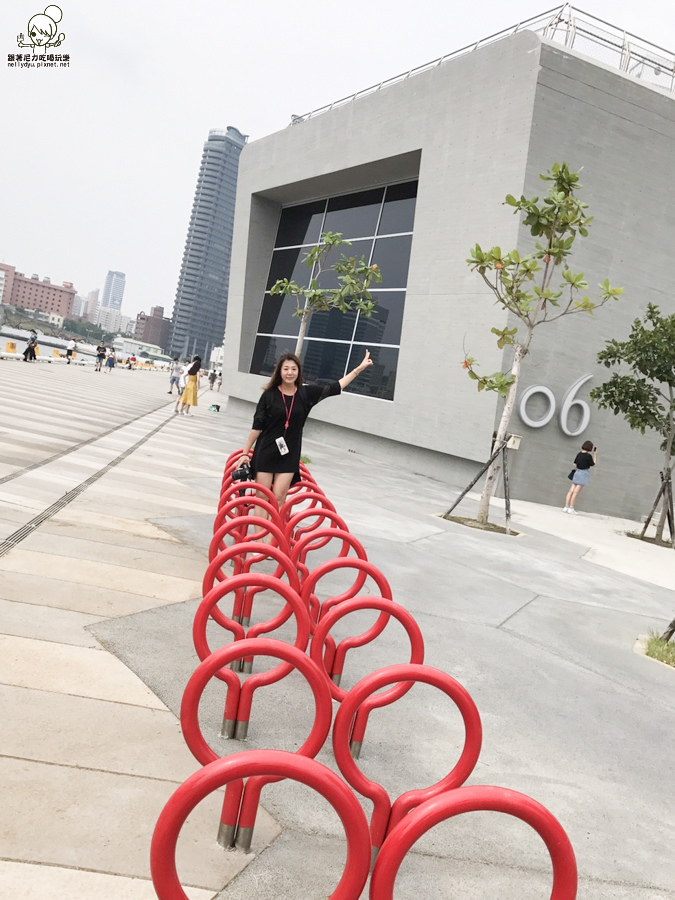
{"points": [[474, 129], [622, 133], [469, 115]]}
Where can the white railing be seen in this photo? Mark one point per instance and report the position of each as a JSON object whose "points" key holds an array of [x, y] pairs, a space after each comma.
{"points": [[565, 25]]}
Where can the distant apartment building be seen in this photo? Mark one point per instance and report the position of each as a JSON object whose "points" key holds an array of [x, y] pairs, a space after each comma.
{"points": [[153, 327], [33, 293], [200, 308], [112, 320], [91, 307], [113, 290]]}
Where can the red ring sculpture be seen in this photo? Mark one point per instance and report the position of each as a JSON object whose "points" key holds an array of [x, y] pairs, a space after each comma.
{"points": [[467, 799], [265, 763], [385, 813]]}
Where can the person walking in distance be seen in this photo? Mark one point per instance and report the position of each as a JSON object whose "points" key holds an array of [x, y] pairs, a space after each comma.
{"points": [[70, 347], [174, 375], [580, 475], [279, 419], [101, 351]]}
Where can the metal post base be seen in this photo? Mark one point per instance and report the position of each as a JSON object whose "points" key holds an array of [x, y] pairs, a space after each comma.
{"points": [[336, 678], [247, 667], [226, 835], [228, 727], [243, 839], [355, 749], [241, 731]]}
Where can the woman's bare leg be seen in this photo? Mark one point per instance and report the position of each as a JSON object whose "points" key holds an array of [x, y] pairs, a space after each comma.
{"points": [[280, 485], [572, 495]]}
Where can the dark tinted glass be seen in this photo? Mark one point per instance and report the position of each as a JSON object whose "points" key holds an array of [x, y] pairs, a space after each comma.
{"points": [[267, 351], [328, 279], [392, 255], [336, 325], [354, 214], [322, 361], [276, 316], [289, 264], [398, 213], [384, 325], [300, 224], [378, 380]]}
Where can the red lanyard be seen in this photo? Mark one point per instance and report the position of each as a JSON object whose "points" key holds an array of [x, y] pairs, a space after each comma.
{"points": [[288, 409]]}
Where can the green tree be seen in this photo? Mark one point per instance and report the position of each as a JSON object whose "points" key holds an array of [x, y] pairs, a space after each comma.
{"points": [[643, 390], [353, 278], [536, 289]]}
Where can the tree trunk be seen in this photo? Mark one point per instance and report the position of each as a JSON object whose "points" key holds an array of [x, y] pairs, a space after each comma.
{"points": [[304, 319], [502, 430]]}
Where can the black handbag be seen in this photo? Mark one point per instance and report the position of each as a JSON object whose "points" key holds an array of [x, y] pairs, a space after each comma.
{"points": [[571, 475]]}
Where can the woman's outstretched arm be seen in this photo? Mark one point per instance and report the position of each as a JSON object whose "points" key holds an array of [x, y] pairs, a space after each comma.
{"points": [[350, 376]]}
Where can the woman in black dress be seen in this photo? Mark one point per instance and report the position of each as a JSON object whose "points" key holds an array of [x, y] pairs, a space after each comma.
{"points": [[279, 419]]}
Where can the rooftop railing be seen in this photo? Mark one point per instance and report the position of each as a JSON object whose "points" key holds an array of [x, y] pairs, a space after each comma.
{"points": [[574, 29]]}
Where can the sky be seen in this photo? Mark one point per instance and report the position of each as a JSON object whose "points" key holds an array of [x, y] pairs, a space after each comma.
{"points": [[99, 161]]}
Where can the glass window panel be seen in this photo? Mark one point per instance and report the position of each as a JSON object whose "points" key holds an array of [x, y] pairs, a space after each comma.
{"points": [[384, 325], [289, 264], [354, 214], [336, 325], [323, 361], [300, 224], [378, 380], [328, 279], [276, 316], [398, 212], [267, 351], [392, 255]]}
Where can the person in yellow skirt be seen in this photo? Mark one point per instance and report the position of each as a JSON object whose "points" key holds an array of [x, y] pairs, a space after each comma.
{"points": [[189, 396]]}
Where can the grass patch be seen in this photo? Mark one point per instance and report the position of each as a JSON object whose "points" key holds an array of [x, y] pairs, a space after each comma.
{"points": [[659, 649], [306, 460], [489, 526], [649, 540]]}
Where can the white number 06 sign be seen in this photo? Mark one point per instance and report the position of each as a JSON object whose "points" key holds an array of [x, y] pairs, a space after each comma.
{"points": [[570, 401]]}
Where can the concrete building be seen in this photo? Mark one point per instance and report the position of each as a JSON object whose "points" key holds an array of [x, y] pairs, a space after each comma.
{"points": [[113, 290], [34, 293], [415, 172], [153, 327], [200, 307]]}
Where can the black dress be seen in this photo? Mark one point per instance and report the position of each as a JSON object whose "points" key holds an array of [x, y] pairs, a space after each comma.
{"points": [[270, 419]]}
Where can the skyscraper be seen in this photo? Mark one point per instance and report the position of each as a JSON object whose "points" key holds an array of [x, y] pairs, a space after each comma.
{"points": [[113, 290], [201, 296]]}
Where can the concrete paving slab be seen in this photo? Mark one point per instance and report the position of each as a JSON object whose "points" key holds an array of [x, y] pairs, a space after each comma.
{"points": [[169, 588], [35, 882], [77, 731], [160, 541], [107, 819], [67, 669], [81, 597], [23, 619], [127, 557]]}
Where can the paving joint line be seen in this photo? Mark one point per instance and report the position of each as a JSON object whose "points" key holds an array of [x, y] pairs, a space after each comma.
{"points": [[62, 453], [29, 528]]}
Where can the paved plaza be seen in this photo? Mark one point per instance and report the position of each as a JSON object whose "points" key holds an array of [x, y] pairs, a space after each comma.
{"points": [[106, 508]]}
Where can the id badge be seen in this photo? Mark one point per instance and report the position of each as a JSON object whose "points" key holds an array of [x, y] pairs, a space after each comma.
{"points": [[281, 445]]}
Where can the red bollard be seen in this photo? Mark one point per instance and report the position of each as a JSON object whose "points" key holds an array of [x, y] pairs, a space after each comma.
{"points": [[317, 540], [265, 763], [374, 701], [293, 605], [318, 609], [385, 813], [316, 499], [294, 532], [467, 799]]}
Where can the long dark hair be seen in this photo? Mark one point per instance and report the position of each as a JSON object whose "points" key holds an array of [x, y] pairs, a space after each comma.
{"points": [[275, 380], [196, 366]]}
